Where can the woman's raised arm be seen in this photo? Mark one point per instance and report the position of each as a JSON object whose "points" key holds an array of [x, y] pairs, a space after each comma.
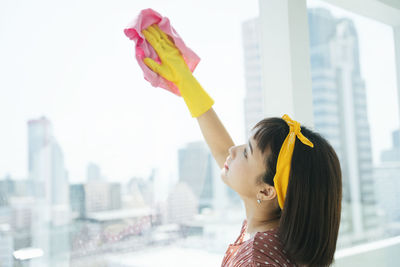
{"points": [[173, 68], [215, 135]]}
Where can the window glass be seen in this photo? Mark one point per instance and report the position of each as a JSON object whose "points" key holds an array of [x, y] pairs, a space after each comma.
{"points": [[97, 167], [355, 105]]}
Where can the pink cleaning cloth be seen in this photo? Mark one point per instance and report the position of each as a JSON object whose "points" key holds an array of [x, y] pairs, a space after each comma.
{"points": [[143, 49]]}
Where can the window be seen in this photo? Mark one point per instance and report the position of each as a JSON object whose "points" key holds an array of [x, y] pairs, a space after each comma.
{"points": [[96, 165], [361, 52]]}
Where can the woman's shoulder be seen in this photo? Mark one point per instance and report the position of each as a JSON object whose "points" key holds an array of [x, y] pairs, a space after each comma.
{"points": [[267, 240], [268, 249], [270, 235], [264, 249]]}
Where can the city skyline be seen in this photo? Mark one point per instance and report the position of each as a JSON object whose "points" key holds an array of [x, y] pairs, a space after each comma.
{"points": [[90, 114]]}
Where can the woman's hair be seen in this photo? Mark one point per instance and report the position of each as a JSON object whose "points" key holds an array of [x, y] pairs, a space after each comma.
{"points": [[309, 222]]}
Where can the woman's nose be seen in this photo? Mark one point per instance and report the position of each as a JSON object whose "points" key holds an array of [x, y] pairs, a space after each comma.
{"points": [[231, 151]]}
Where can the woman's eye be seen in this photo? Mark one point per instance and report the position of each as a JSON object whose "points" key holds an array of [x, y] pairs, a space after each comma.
{"points": [[245, 153]]}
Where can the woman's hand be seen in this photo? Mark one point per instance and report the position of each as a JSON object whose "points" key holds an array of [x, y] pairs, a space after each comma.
{"points": [[173, 66]]}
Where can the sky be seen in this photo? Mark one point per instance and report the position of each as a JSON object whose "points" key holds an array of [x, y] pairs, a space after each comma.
{"points": [[71, 62]]}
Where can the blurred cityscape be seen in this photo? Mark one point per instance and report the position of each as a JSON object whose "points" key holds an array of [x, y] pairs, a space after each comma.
{"points": [[53, 222], [47, 221]]}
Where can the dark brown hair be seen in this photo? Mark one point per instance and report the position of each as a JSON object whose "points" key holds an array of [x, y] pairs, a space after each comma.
{"points": [[309, 222]]}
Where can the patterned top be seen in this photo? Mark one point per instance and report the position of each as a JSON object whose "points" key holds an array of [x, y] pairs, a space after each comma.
{"points": [[263, 249]]}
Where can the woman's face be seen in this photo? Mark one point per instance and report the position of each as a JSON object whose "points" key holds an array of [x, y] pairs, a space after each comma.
{"points": [[245, 165]]}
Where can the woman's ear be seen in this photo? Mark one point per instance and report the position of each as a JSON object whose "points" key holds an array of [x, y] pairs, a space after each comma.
{"points": [[271, 192], [267, 193]]}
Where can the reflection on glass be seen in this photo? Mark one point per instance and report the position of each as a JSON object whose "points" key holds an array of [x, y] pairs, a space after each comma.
{"points": [[341, 115]]}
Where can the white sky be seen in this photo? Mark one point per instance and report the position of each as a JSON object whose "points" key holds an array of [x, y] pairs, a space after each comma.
{"points": [[70, 61]]}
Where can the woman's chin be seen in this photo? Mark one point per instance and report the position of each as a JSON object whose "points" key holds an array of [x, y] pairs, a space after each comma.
{"points": [[224, 173]]}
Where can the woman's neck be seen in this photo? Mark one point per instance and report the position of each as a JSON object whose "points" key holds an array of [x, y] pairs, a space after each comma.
{"points": [[253, 227], [260, 219]]}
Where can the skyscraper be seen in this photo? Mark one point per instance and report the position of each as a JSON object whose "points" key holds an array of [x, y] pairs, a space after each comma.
{"points": [[93, 172], [77, 200], [46, 164], [51, 191], [387, 184], [40, 133], [196, 170], [340, 115], [392, 154], [6, 246], [253, 101], [102, 196]]}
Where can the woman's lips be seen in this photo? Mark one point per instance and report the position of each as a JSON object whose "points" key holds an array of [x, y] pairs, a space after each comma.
{"points": [[226, 166], [226, 163]]}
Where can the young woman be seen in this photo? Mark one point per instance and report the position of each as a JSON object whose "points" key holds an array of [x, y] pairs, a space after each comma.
{"points": [[288, 177]]}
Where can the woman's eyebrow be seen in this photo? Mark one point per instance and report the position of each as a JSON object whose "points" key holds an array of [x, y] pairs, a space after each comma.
{"points": [[251, 148]]}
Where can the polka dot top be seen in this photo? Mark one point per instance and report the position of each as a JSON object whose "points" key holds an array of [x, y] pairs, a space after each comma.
{"points": [[263, 249]]}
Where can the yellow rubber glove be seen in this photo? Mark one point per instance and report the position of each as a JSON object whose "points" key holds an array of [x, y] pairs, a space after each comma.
{"points": [[173, 68]]}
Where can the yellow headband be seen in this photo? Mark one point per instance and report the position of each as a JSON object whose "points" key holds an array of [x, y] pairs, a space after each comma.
{"points": [[281, 179]]}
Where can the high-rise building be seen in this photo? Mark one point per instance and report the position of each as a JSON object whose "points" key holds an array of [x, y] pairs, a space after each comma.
{"points": [[51, 191], [40, 132], [115, 196], [182, 204], [93, 172], [102, 196], [22, 209], [253, 101], [16, 211], [93, 197], [196, 170], [396, 139], [77, 200], [340, 115], [387, 184], [6, 246], [141, 192], [339, 109], [7, 188], [393, 154], [46, 164]]}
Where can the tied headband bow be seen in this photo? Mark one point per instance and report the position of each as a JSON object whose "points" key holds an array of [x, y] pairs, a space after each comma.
{"points": [[281, 179]]}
